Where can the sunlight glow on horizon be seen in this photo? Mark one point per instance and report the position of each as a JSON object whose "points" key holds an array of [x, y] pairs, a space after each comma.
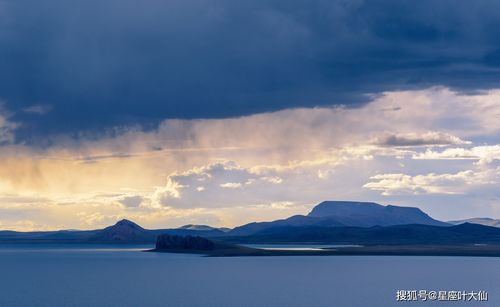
{"points": [[419, 148]]}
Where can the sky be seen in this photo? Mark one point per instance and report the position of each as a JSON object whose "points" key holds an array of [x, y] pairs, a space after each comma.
{"points": [[226, 112]]}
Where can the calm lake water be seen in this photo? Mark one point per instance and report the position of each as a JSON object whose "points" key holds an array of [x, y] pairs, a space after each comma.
{"points": [[78, 275]]}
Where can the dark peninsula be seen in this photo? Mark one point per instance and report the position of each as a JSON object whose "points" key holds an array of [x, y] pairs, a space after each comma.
{"points": [[198, 245]]}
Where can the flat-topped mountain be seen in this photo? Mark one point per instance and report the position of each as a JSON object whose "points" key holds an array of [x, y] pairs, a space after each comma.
{"points": [[344, 214], [367, 214]]}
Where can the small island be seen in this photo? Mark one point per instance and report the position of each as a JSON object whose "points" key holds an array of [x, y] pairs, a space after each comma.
{"points": [[167, 243]]}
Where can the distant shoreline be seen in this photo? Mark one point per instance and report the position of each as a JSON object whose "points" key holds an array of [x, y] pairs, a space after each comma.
{"points": [[377, 250]]}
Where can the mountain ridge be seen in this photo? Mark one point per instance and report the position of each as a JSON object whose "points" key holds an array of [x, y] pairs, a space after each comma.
{"points": [[346, 214], [329, 221], [412, 234], [124, 231]]}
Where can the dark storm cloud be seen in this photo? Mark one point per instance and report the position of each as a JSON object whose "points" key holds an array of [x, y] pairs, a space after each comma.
{"points": [[112, 62]]}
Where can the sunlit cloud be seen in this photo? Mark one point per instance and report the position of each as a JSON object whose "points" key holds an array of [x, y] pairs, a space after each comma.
{"points": [[211, 169], [481, 154], [230, 185], [458, 183]]}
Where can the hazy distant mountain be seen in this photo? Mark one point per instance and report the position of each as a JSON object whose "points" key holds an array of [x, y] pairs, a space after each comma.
{"points": [[346, 213], [478, 220], [46, 236], [203, 228], [196, 227]]}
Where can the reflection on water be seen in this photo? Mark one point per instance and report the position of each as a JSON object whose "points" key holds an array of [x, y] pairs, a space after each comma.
{"points": [[298, 247], [72, 248]]}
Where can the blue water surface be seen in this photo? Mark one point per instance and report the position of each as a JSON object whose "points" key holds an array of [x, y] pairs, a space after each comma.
{"points": [[90, 275]]}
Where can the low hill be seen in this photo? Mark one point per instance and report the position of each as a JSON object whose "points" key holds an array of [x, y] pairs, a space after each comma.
{"points": [[124, 231]]}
